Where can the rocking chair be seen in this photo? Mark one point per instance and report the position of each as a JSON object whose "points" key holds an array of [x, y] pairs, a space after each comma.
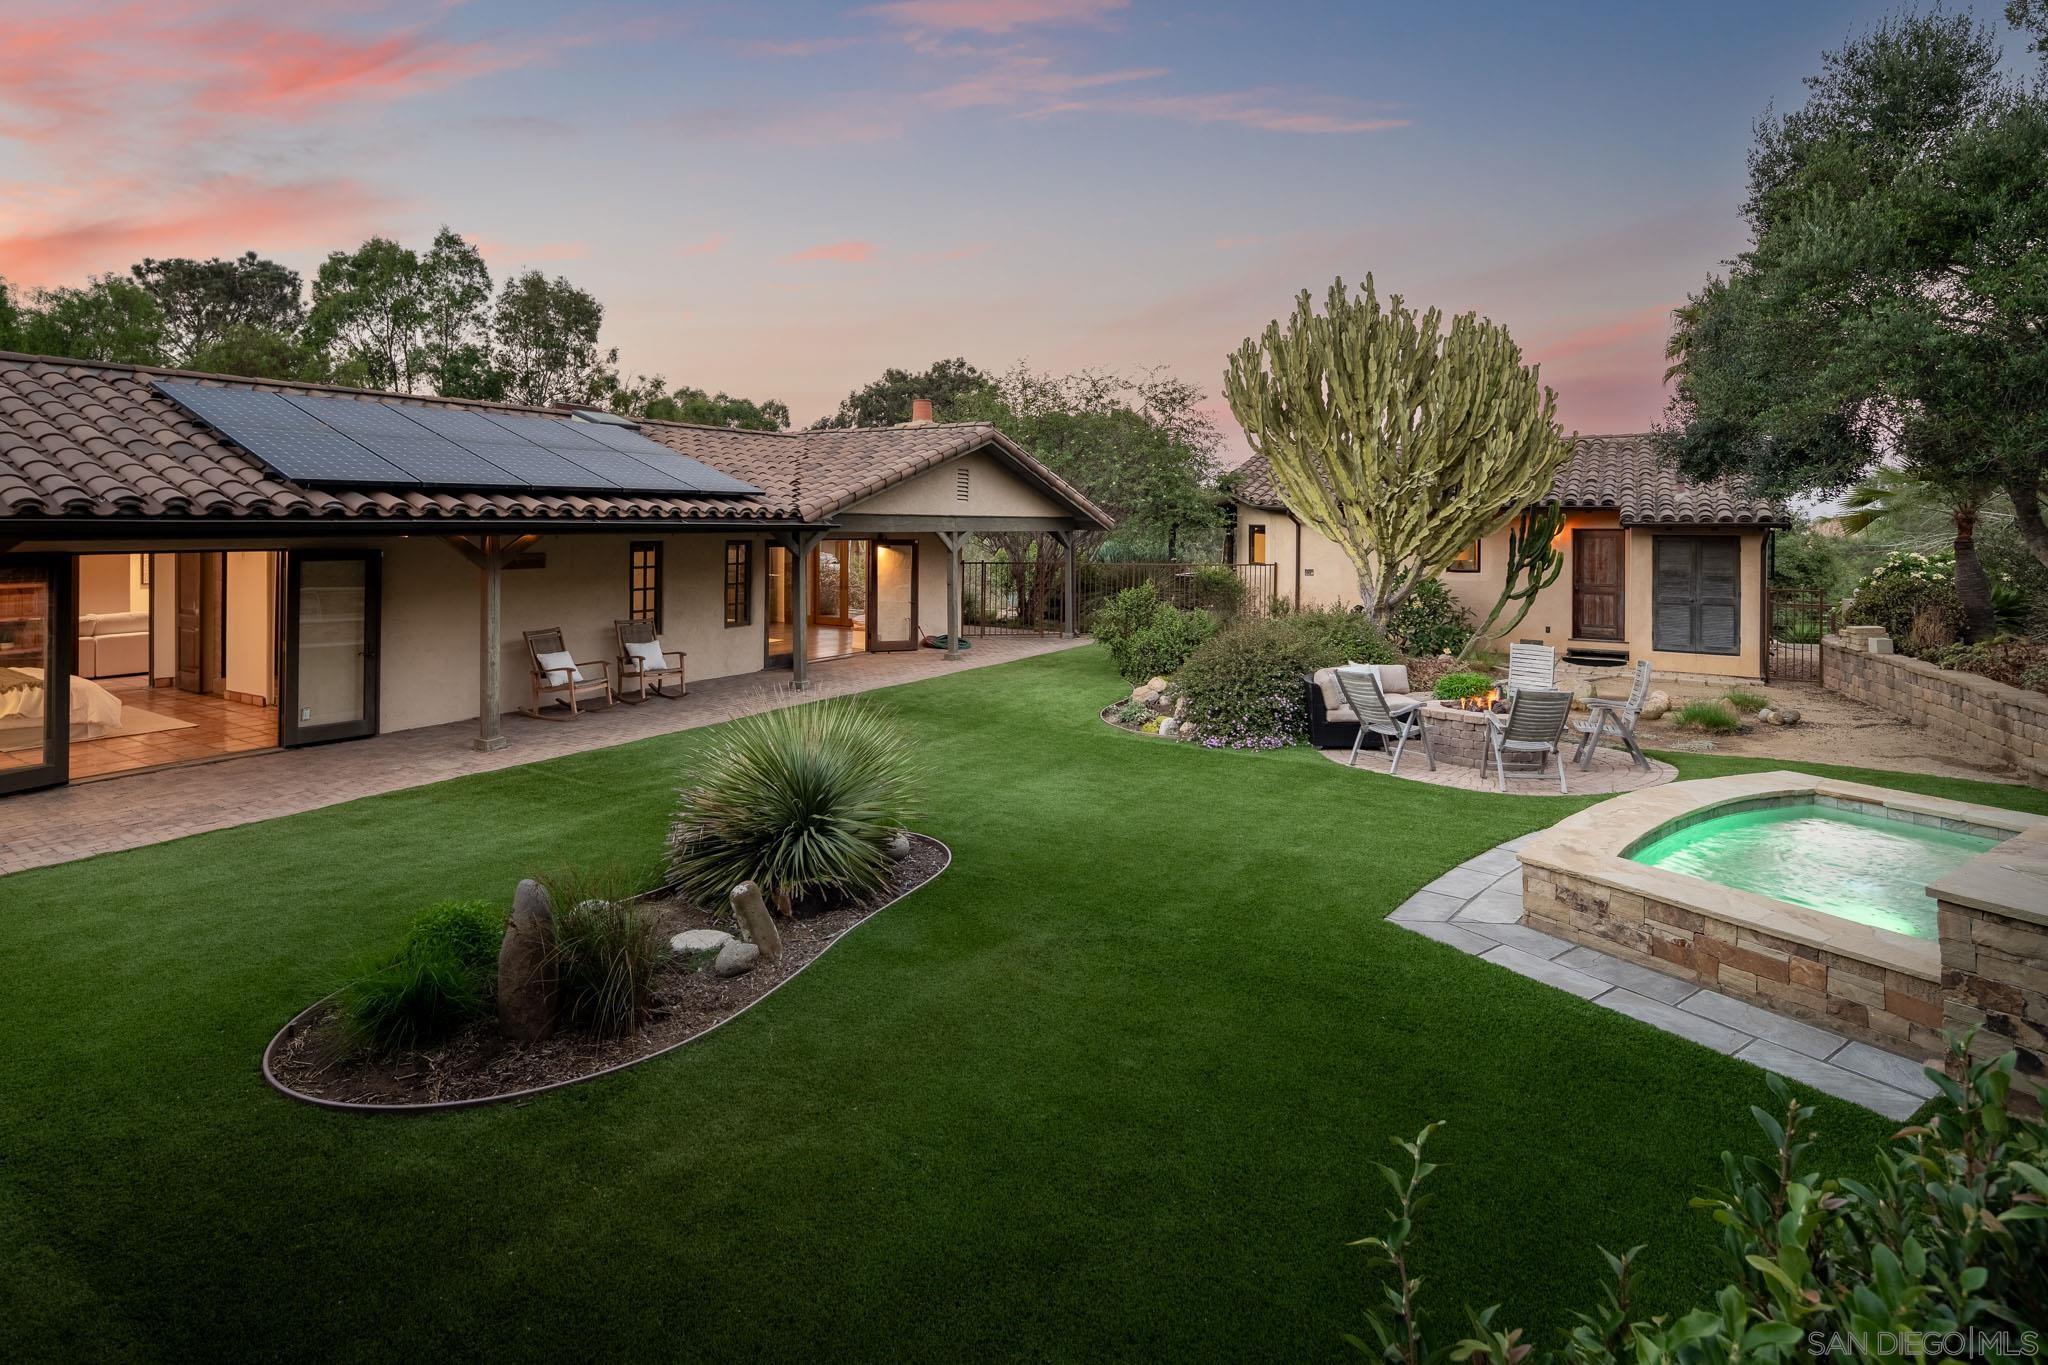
{"points": [[559, 677], [642, 661]]}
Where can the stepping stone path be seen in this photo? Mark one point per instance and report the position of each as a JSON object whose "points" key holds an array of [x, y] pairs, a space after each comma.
{"points": [[1474, 908], [699, 940]]}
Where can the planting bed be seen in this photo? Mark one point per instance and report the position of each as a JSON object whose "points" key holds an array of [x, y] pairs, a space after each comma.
{"points": [[477, 1066]]}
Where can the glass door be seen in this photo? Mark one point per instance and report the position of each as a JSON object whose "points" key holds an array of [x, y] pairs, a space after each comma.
{"points": [[892, 598], [330, 645], [781, 592], [37, 631], [831, 594]]}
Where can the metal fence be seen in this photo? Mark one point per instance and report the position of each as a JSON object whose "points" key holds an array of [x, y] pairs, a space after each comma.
{"points": [[1798, 617], [1001, 598]]}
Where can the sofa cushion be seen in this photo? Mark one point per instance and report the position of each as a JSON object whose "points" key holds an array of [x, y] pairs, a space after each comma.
{"points": [[113, 623]]}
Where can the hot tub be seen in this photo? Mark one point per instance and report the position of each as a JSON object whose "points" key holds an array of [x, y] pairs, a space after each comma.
{"points": [[1815, 898]]}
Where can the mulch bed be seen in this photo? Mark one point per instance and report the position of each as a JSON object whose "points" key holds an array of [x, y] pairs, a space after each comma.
{"points": [[307, 1061]]}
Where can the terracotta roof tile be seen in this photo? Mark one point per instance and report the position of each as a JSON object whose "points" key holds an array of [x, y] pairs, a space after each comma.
{"points": [[97, 441], [1625, 474]]}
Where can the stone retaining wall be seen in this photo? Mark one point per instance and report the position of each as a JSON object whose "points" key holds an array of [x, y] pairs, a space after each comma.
{"points": [[1994, 977], [1880, 1005], [1989, 720]]}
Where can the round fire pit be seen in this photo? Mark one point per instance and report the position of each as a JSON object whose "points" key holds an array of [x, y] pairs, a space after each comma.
{"points": [[1459, 736]]}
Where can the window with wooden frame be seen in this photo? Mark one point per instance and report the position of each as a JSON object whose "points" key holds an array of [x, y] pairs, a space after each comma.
{"points": [[739, 582], [1255, 544], [643, 592], [1467, 562]]}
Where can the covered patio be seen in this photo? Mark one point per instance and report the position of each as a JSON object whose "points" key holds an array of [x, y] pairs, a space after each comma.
{"points": [[63, 824]]}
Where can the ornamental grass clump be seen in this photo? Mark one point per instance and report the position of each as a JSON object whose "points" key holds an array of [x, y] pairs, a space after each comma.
{"points": [[439, 980], [802, 802], [607, 949], [1711, 716]]}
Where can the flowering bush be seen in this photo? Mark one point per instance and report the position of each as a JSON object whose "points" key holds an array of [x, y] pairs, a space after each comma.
{"points": [[1147, 637], [1896, 593], [1243, 687]]}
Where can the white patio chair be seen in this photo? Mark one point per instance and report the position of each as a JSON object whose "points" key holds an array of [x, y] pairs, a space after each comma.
{"points": [[1604, 713], [1361, 688], [1534, 724], [1530, 666]]}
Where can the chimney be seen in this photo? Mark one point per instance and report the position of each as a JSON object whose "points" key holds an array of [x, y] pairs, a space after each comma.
{"points": [[920, 412]]}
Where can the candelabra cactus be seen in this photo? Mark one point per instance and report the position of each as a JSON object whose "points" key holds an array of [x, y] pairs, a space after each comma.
{"points": [[1401, 442], [1533, 564]]}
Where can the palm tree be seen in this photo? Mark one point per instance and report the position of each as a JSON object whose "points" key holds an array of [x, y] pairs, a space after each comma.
{"points": [[1903, 499]]}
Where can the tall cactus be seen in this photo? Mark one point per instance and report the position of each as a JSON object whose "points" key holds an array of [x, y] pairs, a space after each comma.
{"points": [[1533, 565], [1398, 441]]}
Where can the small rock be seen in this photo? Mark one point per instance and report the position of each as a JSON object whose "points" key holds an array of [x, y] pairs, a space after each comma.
{"points": [[1786, 715], [1157, 684], [899, 844], [1138, 692], [1655, 705], [699, 940], [1766, 716], [1180, 709], [1187, 730], [1168, 726], [737, 959]]}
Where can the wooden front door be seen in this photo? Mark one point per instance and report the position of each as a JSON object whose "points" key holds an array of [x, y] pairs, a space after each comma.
{"points": [[1598, 584]]}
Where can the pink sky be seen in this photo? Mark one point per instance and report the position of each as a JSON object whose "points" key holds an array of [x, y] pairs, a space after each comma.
{"points": [[782, 201]]}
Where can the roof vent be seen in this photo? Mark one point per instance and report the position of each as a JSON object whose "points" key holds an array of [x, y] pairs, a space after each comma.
{"points": [[599, 415], [960, 481], [920, 412]]}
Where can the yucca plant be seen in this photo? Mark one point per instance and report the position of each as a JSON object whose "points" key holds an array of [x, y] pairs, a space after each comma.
{"points": [[802, 802], [607, 949], [438, 980]]}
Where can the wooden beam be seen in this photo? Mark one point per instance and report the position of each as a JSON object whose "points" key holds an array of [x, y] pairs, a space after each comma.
{"points": [[1070, 599], [800, 546], [862, 523], [953, 540], [490, 554]]}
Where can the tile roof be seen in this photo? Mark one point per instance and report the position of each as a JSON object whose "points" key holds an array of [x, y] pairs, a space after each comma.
{"points": [[1626, 474], [80, 440]]}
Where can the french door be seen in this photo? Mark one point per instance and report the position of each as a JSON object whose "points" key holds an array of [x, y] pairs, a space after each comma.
{"points": [[892, 595], [330, 645], [38, 627]]}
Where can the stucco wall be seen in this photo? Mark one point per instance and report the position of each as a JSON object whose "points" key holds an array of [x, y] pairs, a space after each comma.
{"points": [[993, 490], [1329, 580], [250, 627]]}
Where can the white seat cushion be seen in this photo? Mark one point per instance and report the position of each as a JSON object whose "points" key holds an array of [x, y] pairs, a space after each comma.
{"points": [[647, 653], [559, 668]]}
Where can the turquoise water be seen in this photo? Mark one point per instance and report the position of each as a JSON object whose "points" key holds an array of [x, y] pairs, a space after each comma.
{"points": [[1865, 868]]}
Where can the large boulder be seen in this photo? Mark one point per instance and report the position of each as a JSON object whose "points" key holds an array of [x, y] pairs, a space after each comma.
{"points": [[526, 967], [1656, 705], [757, 926]]}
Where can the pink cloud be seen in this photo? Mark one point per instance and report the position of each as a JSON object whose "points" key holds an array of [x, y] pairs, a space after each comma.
{"points": [[113, 226], [1021, 78], [1266, 110], [710, 246], [290, 71], [1232, 243], [1630, 330], [993, 16], [852, 122], [849, 251]]}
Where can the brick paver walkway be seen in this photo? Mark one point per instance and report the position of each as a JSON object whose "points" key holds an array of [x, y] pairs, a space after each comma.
{"points": [[57, 826], [1476, 908]]}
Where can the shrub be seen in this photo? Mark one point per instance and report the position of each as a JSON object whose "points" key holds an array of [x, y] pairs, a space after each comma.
{"points": [[1123, 616], [1933, 629], [1707, 715], [1431, 621], [802, 802], [1947, 1237], [1162, 647], [1751, 702], [607, 949], [439, 980], [2006, 658], [1217, 587], [1898, 591], [1459, 686], [1243, 686], [1132, 713]]}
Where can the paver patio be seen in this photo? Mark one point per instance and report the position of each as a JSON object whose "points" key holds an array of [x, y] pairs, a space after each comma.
{"points": [[1476, 908], [79, 821]]}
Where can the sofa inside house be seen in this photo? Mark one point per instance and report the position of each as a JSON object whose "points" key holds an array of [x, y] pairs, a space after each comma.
{"points": [[113, 644]]}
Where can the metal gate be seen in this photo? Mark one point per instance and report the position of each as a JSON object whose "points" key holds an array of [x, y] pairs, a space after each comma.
{"points": [[1798, 617], [1002, 598]]}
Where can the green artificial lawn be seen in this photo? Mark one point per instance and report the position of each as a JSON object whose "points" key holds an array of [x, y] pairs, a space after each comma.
{"points": [[1112, 1086]]}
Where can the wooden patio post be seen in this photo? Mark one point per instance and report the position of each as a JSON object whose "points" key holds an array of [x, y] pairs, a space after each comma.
{"points": [[954, 571], [490, 554], [1069, 605]]}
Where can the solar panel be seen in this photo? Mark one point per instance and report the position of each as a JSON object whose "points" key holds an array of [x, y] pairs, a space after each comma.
{"points": [[269, 427], [389, 431], [317, 438]]}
